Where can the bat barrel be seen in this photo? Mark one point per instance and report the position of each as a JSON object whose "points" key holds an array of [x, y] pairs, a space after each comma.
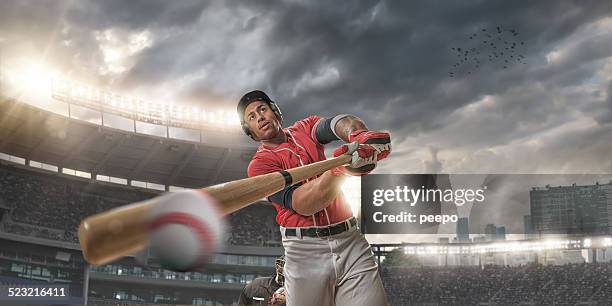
{"points": [[115, 233]]}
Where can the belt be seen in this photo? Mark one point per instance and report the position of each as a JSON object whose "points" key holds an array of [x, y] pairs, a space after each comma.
{"points": [[322, 231]]}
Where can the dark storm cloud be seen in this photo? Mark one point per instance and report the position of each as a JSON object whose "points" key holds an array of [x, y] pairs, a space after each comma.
{"points": [[372, 56], [135, 14], [30, 25], [397, 59], [603, 114], [30, 19]]}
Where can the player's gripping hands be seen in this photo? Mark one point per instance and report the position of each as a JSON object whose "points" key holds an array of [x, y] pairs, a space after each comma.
{"points": [[363, 162], [372, 147], [379, 141]]}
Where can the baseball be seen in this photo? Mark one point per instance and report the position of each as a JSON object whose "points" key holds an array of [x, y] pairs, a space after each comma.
{"points": [[186, 229]]}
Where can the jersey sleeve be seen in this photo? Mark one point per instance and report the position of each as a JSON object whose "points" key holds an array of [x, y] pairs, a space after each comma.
{"points": [[308, 126], [263, 165]]}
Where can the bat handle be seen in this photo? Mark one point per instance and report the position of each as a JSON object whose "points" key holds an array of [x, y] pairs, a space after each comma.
{"points": [[303, 173]]}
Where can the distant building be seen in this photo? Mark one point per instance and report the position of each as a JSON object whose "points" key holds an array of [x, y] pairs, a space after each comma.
{"points": [[500, 233], [490, 232], [463, 230], [443, 240], [528, 226], [572, 209]]}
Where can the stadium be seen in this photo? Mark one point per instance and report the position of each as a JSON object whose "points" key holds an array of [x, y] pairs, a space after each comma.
{"points": [[56, 169]]}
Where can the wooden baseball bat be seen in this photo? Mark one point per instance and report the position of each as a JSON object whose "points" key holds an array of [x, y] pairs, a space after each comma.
{"points": [[118, 232]]}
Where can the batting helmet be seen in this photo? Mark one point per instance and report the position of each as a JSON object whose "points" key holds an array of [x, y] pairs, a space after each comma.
{"points": [[250, 97]]}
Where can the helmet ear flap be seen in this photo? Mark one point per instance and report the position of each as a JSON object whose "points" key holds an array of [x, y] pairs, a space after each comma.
{"points": [[246, 130], [276, 110]]}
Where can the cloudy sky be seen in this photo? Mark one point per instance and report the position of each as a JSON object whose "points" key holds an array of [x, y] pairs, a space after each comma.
{"points": [[387, 62]]}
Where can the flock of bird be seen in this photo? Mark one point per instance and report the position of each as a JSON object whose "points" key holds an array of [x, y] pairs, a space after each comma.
{"points": [[488, 46]]}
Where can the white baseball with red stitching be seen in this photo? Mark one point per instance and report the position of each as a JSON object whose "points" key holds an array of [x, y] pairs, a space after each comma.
{"points": [[186, 229]]}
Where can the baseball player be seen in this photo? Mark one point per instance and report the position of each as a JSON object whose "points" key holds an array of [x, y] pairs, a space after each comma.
{"points": [[328, 261], [265, 290]]}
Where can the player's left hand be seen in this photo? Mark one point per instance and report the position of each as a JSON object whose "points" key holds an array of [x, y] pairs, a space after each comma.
{"points": [[363, 162], [380, 141]]}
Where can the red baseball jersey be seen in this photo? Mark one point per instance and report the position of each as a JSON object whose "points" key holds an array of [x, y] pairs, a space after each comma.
{"points": [[301, 148]]}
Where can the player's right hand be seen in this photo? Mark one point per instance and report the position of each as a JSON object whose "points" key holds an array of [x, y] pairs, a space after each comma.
{"points": [[364, 160], [380, 141]]}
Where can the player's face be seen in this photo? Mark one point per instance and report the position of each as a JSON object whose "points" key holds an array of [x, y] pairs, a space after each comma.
{"points": [[262, 120]]}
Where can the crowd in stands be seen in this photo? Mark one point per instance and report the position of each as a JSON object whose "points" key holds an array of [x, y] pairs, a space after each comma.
{"points": [[571, 284], [35, 231], [51, 206], [254, 225]]}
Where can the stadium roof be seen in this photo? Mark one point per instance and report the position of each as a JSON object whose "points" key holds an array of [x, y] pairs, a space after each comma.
{"points": [[42, 136]]}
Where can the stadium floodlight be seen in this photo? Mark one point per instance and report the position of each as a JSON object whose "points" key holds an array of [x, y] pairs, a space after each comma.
{"points": [[90, 94], [32, 77], [231, 119], [180, 112], [137, 109], [220, 116], [431, 250], [586, 243], [95, 94], [155, 110], [174, 110], [211, 117], [142, 107], [59, 85], [78, 91]]}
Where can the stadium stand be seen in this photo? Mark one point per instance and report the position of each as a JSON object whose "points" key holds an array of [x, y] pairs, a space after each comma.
{"points": [[51, 206], [571, 284], [255, 226]]}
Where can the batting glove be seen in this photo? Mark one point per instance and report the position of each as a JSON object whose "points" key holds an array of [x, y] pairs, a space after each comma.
{"points": [[363, 162], [380, 141]]}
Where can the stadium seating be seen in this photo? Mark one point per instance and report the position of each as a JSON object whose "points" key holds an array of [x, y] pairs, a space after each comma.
{"points": [[51, 206], [571, 284]]}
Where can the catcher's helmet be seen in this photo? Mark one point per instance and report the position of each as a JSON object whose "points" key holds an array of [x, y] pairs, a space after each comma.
{"points": [[279, 265], [248, 98]]}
